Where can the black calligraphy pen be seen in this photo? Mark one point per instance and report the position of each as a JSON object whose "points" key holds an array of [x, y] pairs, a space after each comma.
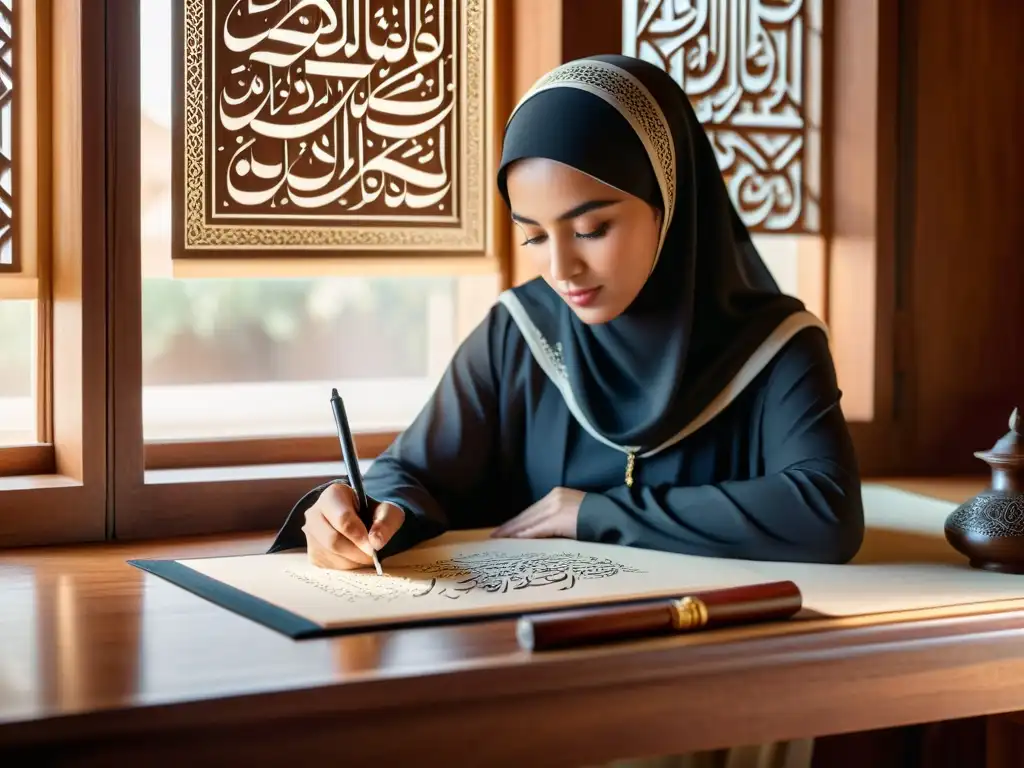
{"points": [[355, 477]]}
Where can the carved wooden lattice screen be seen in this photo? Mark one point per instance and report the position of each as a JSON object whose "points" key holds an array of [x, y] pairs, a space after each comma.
{"points": [[753, 71], [8, 253], [313, 128]]}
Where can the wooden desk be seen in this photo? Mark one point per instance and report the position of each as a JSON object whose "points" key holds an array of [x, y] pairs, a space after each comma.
{"points": [[98, 659]]}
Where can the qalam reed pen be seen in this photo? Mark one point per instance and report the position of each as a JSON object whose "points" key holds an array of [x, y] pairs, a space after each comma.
{"points": [[751, 604], [355, 477]]}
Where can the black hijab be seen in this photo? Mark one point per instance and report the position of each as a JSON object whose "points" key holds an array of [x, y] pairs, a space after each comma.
{"points": [[709, 305]]}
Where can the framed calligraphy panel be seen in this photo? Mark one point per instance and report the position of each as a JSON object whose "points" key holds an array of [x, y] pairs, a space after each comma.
{"points": [[753, 71], [9, 261], [313, 127]]}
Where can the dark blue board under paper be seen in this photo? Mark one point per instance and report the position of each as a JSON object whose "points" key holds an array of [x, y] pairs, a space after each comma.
{"points": [[291, 624], [235, 600]]}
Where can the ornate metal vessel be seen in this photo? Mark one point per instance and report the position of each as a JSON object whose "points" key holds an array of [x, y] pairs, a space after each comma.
{"points": [[989, 528]]}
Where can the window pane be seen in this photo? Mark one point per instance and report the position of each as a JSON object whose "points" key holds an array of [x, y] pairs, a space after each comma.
{"points": [[235, 357], [247, 357], [17, 372]]}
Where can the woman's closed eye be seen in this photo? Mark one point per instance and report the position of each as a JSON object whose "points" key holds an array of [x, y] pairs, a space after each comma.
{"points": [[600, 231]]}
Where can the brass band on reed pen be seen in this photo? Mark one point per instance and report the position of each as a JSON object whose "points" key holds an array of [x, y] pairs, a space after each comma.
{"points": [[689, 613]]}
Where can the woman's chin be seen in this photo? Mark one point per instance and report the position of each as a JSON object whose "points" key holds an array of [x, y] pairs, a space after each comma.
{"points": [[595, 314]]}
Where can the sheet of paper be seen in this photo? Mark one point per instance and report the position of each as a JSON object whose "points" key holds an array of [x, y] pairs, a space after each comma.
{"points": [[852, 590], [904, 564], [463, 576]]}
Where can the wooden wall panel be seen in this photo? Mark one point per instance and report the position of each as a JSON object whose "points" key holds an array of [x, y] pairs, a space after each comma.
{"points": [[592, 27], [962, 284]]}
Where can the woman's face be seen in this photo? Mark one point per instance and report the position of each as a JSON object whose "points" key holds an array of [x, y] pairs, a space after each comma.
{"points": [[593, 244]]}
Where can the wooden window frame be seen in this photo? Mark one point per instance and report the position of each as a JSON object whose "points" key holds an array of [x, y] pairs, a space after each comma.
{"points": [[96, 478], [59, 495], [183, 487]]}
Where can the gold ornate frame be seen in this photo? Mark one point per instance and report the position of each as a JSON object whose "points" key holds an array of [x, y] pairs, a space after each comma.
{"points": [[197, 235]]}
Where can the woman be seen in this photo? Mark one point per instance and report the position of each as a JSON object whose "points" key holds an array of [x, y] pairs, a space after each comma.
{"points": [[652, 388]]}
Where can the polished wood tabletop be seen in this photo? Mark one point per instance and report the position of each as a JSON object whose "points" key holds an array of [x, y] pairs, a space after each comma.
{"points": [[96, 655]]}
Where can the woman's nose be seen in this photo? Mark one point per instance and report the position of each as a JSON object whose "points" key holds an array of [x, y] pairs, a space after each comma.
{"points": [[565, 264]]}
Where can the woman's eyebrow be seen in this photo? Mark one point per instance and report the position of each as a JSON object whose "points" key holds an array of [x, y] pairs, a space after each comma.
{"points": [[572, 213]]}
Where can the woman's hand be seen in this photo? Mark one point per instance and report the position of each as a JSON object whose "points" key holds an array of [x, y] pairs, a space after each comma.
{"points": [[554, 516], [336, 537]]}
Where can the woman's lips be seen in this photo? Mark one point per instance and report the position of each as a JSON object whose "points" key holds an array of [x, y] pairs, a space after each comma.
{"points": [[581, 297]]}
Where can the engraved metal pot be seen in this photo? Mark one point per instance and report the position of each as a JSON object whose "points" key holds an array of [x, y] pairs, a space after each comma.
{"points": [[989, 528]]}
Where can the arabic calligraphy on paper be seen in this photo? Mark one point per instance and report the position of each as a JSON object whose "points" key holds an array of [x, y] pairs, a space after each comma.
{"points": [[752, 69], [335, 110], [493, 573]]}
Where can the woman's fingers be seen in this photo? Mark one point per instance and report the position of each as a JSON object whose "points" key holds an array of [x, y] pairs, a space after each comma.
{"points": [[334, 531], [338, 506], [387, 519], [538, 529], [525, 520], [321, 558], [327, 538]]}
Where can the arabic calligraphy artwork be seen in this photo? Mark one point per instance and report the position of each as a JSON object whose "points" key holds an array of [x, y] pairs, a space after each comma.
{"points": [[753, 71], [450, 579], [6, 139], [489, 572], [503, 572], [311, 126]]}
